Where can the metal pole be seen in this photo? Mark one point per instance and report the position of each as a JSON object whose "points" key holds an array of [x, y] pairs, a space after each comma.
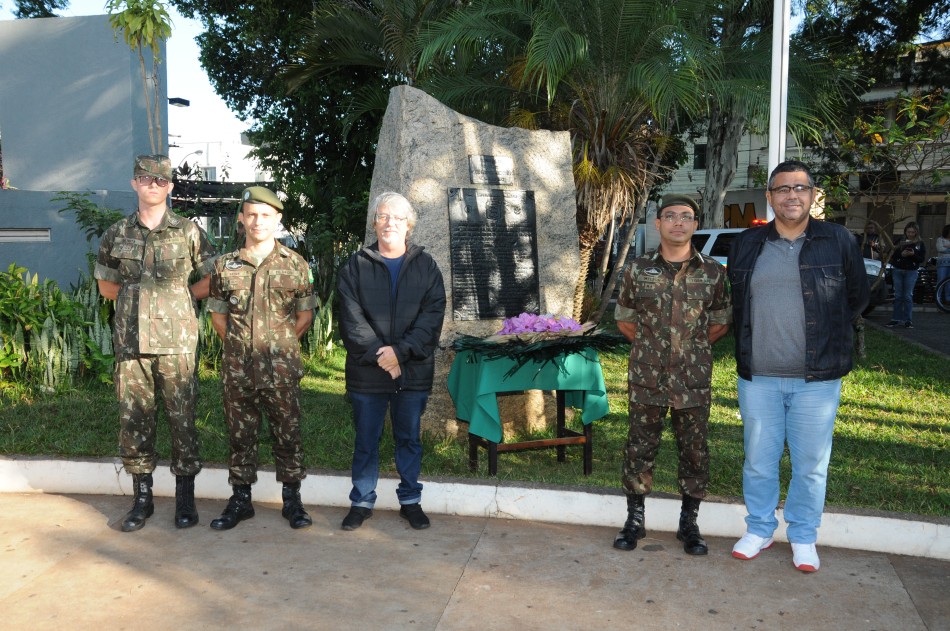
{"points": [[778, 108]]}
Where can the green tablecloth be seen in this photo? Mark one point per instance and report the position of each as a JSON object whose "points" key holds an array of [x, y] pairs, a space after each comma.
{"points": [[474, 381]]}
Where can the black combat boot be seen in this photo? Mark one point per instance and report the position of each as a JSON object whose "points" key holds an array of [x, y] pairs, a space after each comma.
{"points": [[293, 508], [693, 542], [238, 509], [186, 515], [633, 529], [142, 506]]}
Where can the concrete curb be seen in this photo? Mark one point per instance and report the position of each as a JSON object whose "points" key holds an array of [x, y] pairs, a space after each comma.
{"points": [[890, 533]]}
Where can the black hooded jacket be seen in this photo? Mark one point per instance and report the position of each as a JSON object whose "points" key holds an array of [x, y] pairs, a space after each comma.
{"points": [[372, 317]]}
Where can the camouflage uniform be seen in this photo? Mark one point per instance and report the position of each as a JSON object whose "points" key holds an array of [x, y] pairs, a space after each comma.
{"points": [[155, 334], [673, 305], [261, 366]]}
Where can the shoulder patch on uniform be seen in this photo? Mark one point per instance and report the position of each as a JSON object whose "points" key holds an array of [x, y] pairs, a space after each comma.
{"points": [[652, 271]]}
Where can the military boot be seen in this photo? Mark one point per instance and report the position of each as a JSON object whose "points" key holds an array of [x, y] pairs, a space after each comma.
{"points": [[693, 542], [633, 529], [238, 509], [186, 515], [293, 508], [142, 506]]}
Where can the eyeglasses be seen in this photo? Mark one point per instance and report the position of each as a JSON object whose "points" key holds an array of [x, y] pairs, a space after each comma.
{"points": [[145, 180], [391, 218], [787, 190], [682, 217]]}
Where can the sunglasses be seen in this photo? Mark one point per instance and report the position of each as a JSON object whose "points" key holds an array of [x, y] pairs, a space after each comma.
{"points": [[145, 180]]}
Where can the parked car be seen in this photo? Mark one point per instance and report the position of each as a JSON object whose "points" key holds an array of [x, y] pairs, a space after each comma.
{"points": [[717, 242]]}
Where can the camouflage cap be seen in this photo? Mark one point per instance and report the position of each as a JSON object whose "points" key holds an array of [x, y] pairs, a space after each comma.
{"points": [[157, 166], [677, 200], [261, 195]]}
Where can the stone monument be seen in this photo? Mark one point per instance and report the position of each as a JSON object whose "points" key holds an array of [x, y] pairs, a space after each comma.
{"points": [[496, 209]]}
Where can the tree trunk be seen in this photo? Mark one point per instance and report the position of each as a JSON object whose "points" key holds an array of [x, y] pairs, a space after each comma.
{"points": [[148, 104], [585, 253], [605, 258], [722, 151], [619, 264]]}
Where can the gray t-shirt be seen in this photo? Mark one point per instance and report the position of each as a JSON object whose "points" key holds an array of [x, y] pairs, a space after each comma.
{"points": [[778, 311]]}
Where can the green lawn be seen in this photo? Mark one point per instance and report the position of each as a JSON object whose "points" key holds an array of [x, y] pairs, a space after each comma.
{"points": [[892, 438]]}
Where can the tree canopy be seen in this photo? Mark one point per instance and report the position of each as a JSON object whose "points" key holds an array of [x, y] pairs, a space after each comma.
{"points": [[37, 8]]}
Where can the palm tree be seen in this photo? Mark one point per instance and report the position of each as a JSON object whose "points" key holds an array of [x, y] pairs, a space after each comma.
{"points": [[738, 94], [617, 74]]}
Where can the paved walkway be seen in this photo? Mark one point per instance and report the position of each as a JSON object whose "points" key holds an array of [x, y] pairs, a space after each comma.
{"points": [[67, 566], [931, 327], [492, 560]]}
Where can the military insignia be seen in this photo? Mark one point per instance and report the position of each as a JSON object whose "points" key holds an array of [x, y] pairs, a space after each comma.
{"points": [[652, 271], [232, 264], [233, 300], [247, 195]]}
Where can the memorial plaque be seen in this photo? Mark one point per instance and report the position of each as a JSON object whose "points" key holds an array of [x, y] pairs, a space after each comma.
{"points": [[491, 170], [494, 253]]}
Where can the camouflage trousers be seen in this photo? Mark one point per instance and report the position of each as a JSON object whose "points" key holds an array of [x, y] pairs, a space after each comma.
{"points": [[690, 425], [137, 381], [244, 409]]}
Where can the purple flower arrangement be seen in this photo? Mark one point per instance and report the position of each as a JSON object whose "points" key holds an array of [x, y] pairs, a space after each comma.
{"points": [[531, 323]]}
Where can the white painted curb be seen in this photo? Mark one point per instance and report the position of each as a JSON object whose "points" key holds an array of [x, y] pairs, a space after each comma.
{"points": [[891, 535]]}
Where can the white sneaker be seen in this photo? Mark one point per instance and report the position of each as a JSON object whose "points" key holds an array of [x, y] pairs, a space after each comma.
{"points": [[750, 546], [805, 557]]}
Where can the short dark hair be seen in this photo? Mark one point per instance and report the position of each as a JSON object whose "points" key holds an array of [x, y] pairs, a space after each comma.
{"points": [[946, 232], [791, 166]]}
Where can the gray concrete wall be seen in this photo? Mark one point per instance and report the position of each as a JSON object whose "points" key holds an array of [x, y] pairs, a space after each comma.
{"points": [[72, 108], [63, 257]]}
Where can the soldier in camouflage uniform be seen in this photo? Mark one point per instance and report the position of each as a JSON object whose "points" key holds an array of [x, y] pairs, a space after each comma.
{"points": [[674, 303], [261, 303], [144, 264]]}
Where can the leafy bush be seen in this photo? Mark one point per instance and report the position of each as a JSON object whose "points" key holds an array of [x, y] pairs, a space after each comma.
{"points": [[49, 338]]}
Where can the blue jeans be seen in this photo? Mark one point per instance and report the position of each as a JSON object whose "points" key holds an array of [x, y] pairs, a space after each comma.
{"points": [[943, 272], [904, 281], [369, 417], [775, 410]]}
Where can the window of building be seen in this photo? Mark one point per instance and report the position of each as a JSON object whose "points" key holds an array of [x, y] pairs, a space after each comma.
{"points": [[699, 157]]}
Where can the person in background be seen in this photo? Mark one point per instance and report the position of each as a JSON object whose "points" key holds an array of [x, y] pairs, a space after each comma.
{"points": [[943, 259], [798, 283], [871, 242], [144, 264], [392, 302], [673, 305], [261, 302], [909, 254]]}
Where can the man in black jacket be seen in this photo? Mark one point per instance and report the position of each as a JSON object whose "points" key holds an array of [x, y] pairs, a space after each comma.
{"points": [[797, 284], [392, 304]]}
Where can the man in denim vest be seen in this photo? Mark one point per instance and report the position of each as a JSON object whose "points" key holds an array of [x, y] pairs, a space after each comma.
{"points": [[798, 283]]}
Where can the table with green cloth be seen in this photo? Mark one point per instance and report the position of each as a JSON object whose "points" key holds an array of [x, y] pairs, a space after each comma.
{"points": [[474, 382]]}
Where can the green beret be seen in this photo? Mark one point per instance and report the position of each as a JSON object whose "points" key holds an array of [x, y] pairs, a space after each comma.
{"points": [[156, 166], [677, 200], [261, 195]]}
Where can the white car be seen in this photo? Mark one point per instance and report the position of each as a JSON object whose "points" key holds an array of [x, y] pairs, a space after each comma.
{"points": [[717, 242]]}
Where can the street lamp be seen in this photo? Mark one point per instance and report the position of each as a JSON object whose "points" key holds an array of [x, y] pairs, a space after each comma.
{"points": [[197, 152], [188, 171], [177, 101]]}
